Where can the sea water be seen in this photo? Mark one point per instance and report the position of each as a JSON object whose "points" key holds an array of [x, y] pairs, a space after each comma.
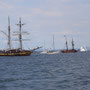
{"points": [[63, 71]]}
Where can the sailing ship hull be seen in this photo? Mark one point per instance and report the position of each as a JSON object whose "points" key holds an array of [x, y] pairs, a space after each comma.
{"points": [[15, 53], [52, 52], [69, 51], [18, 51]]}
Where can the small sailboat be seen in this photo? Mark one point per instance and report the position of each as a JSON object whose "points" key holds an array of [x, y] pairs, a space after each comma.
{"points": [[69, 50], [44, 51], [83, 49], [53, 51]]}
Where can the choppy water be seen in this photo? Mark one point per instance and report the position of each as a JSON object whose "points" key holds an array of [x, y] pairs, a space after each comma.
{"points": [[46, 72]]}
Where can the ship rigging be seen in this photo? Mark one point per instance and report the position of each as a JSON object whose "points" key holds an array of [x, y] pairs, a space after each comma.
{"points": [[69, 50], [15, 52]]}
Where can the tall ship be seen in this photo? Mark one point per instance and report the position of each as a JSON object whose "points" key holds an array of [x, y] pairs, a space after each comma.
{"points": [[17, 51], [69, 50]]}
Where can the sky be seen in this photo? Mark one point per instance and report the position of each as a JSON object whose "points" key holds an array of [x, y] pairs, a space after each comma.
{"points": [[45, 18]]}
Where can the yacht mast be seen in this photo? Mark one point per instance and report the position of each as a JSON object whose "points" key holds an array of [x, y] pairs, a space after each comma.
{"points": [[9, 36]]}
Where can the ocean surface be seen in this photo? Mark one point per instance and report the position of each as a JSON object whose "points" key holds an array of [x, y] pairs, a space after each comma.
{"points": [[46, 72]]}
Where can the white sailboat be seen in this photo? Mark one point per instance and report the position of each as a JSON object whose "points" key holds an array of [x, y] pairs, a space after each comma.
{"points": [[44, 52], [44, 49], [53, 51], [83, 49]]}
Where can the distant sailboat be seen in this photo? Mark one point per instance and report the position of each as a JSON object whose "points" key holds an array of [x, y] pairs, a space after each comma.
{"points": [[69, 50], [83, 49], [53, 51], [44, 49]]}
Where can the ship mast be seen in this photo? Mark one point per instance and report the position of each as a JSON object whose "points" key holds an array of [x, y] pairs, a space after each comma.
{"points": [[72, 44], [53, 43], [9, 36], [20, 32], [66, 42]]}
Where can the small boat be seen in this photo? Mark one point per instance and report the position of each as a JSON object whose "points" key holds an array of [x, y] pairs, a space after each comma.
{"points": [[50, 51], [83, 49], [53, 51], [44, 52], [69, 50]]}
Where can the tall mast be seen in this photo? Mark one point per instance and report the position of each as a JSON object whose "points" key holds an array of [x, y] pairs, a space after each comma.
{"points": [[53, 43], [9, 36], [66, 42], [20, 32], [72, 44]]}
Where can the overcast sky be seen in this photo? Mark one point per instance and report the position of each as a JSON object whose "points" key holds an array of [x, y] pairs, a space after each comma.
{"points": [[43, 18]]}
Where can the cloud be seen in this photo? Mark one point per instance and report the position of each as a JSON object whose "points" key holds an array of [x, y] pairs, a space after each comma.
{"points": [[65, 32], [16, 1], [45, 17], [39, 11], [72, 33], [66, 0], [19, 0], [5, 5]]}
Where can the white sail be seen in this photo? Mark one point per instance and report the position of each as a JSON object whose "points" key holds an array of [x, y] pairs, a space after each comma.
{"points": [[44, 52], [83, 49]]}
